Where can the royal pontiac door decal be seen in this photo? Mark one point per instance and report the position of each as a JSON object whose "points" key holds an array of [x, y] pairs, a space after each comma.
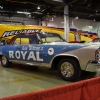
{"points": [[27, 53]]}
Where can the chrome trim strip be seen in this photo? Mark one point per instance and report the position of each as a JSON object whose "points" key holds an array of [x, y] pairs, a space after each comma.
{"points": [[31, 63], [40, 63]]}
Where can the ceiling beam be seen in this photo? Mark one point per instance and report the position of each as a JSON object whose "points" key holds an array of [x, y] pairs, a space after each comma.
{"points": [[68, 2], [32, 3]]}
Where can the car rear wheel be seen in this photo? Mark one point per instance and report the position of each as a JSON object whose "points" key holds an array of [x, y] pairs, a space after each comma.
{"points": [[69, 69], [5, 62]]}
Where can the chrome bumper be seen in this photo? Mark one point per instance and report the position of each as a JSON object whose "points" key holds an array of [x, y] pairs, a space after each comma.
{"points": [[92, 66]]}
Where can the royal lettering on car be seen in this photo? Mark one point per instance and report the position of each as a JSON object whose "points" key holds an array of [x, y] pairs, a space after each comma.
{"points": [[23, 54]]}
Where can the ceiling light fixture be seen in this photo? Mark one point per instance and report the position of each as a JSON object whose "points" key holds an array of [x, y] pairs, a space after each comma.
{"points": [[1, 7], [38, 7], [21, 12], [29, 15], [43, 10], [58, 0]]}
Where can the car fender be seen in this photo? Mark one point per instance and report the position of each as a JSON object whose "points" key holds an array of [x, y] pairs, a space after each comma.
{"points": [[65, 55]]}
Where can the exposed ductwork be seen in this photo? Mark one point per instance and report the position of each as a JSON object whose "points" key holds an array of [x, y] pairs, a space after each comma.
{"points": [[50, 7]]}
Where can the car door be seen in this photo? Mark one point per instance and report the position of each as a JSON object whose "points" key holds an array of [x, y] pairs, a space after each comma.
{"points": [[47, 52], [18, 50]]}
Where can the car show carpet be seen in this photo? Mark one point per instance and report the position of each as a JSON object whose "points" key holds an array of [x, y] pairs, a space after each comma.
{"points": [[21, 79]]}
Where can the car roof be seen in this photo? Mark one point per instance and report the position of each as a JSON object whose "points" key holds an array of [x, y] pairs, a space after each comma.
{"points": [[42, 34]]}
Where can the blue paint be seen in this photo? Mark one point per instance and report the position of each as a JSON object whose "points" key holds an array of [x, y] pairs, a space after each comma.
{"points": [[41, 48]]}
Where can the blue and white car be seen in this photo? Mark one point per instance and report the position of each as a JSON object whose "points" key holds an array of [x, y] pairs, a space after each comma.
{"points": [[52, 51]]}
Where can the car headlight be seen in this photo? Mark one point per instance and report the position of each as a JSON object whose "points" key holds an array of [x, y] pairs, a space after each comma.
{"points": [[97, 55]]}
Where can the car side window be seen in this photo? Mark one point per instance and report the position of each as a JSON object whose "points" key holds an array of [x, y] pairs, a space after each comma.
{"points": [[31, 39], [21, 41], [17, 41], [34, 40]]}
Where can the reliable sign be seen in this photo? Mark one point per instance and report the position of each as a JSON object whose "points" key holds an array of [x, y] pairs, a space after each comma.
{"points": [[15, 32]]}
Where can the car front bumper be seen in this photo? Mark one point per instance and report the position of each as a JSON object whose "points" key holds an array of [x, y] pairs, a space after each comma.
{"points": [[93, 65]]}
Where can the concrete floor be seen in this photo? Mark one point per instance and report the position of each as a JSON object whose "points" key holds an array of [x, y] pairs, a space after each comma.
{"points": [[23, 79]]}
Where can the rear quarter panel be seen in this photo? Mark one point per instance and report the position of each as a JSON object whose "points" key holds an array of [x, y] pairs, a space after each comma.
{"points": [[85, 54]]}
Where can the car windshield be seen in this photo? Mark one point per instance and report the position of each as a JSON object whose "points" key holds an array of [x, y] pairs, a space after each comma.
{"points": [[51, 37]]}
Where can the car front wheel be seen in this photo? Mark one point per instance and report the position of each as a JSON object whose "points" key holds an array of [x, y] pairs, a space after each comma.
{"points": [[69, 69], [5, 62]]}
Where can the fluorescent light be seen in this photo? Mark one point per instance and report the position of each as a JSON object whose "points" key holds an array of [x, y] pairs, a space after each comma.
{"points": [[29, 15], [58, 0], [38, 7], [20, 12], [1, 7], [43, 10]]}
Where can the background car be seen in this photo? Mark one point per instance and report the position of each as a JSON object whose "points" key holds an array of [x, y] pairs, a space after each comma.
{"points": [[96, 40]]}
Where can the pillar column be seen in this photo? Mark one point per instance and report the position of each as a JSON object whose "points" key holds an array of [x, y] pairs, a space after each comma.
{"points": [[66, 23]]}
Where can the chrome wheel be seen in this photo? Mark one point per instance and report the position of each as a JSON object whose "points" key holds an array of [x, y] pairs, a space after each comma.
{"points": [[67, 69], [4, 60]]}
